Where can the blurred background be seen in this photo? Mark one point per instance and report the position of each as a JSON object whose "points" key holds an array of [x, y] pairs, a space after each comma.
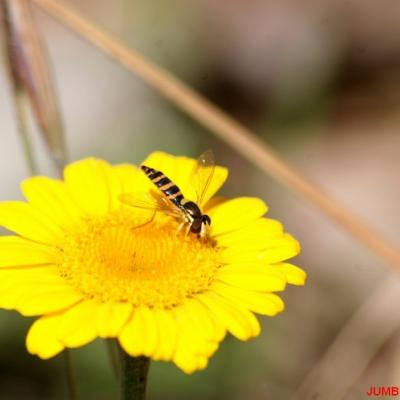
{"points": [[319, 81]]}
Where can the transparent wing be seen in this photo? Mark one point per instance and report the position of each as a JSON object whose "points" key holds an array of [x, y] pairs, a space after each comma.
{"points": [[202, 174], [145, 201]]}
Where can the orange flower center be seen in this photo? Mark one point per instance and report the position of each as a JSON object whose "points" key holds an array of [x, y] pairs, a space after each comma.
{"points": [[119, 258]]}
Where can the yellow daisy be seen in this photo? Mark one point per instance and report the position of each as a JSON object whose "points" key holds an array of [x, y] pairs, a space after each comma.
{"points": [[91, 266]]}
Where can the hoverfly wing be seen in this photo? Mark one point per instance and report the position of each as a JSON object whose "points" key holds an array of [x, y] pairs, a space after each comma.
{"points": [[203, 174], [144, 201]]}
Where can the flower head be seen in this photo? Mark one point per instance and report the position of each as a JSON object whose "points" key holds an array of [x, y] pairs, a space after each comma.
{"points": [[91, 266]]}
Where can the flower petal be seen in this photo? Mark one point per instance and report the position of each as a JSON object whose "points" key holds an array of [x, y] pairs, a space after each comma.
{"points": [[261, 303], [21, 218], [93, 185], [167, 326], [191, 330], [193, 347], [271, 251], [210, 325], [47, 301], [17, 252], [35, 291], [187, 361], [235, 214], [252, 277], [254, 235], [111, 317], [41, 339], [129, 176], [294, 275], [240, 322], [78, 326], [140, 334], [52, 199]]}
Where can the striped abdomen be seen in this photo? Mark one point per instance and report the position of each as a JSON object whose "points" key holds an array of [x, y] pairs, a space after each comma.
{"points": [[171, 191]]}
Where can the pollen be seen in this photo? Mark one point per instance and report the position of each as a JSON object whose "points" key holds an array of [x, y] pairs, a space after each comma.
{"points": [[119, 258]]}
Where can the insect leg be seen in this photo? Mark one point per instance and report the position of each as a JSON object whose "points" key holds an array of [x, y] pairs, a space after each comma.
{"points": [[187, 230], [145, 223]]}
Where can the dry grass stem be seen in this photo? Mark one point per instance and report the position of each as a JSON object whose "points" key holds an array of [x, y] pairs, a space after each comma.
{"points": [[222, 125], [18, 96], [31, 73], [21, 116], [355, 346]]}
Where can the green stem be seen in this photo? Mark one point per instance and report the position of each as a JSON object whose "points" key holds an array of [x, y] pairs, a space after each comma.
{"points": [[113, 356], [70, 375], [133, 377]]}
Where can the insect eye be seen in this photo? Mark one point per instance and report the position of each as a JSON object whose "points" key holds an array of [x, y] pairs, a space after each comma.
{"points": [[196, 226], [206, 220]]}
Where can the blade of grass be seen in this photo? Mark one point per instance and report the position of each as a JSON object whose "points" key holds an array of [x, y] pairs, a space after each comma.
{"points": [[224, 126], [113, 355], [16, 91], [70, 375], [31, 74]]}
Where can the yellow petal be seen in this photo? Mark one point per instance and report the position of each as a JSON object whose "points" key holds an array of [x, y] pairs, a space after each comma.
{"points": [[47, 301], [78, 326], [216, 201], [41, 339], [240, 322], [111, 317], [254, 235], [17, 252], [35, 291], [235, 214], [93, 185], [252, 277], [294, 275], [28, 222], [261, 303], [280, 250], [192, 333], [193, 347], [210, 326], [166, 325], [128, 175], [52, 199], [15, 281], [140, 335], [187, 361], [270, 252]]}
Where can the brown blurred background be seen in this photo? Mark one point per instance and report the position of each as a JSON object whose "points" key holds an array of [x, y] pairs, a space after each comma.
{"points": [[319, 81]]}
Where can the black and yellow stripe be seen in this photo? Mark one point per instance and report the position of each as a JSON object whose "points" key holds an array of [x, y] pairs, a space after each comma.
{"points": [[171, 191]]}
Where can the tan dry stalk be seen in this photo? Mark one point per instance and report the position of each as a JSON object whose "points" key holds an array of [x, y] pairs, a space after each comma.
{"points": [[31, 73], [222, 125]]}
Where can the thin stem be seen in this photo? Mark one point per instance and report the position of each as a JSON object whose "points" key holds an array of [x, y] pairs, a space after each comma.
{"points": [[113, 356], [19, 98], [133, 377], [225, 127], [70, 375], [21, 112]]}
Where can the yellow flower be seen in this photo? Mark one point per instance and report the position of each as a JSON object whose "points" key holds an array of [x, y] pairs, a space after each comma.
{"points": [[91, 267]]}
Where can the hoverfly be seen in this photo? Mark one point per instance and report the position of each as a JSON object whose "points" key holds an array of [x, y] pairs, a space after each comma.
{"points": [[171, 200]]}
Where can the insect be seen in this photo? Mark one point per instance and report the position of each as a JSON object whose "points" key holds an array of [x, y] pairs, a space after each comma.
{"points": [[171, 200]]}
